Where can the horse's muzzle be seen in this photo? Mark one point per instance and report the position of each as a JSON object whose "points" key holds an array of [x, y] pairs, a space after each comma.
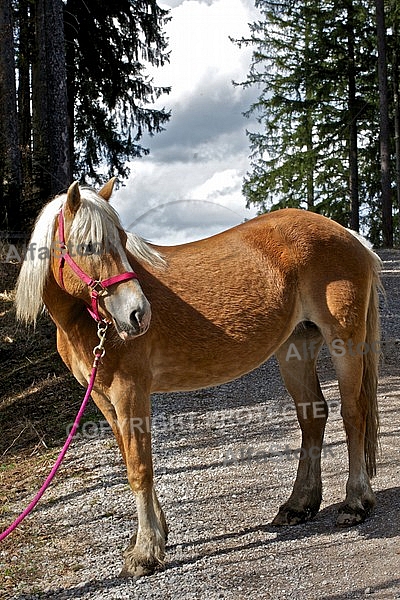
{"points": [[139, 322]]}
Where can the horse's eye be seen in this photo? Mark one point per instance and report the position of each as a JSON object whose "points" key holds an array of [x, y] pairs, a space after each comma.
{"points": [[88, 249]]}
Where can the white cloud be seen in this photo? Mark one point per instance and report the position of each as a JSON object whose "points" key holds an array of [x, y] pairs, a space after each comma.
{"points": [[171, 203], [202, 55], [190, 185], [221, 183]]}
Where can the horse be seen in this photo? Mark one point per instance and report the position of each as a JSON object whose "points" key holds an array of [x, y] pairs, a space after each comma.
{"points": [[206, 312]]}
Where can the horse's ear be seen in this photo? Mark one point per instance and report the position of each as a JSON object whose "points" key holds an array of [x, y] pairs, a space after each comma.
{"points": [[73, 197], [107, 189]]}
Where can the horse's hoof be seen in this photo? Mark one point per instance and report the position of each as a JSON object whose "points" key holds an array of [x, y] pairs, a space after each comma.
{"points": [[136, 571], [354, 515], [290, 516], [136, 568], [140, 564], [348, 516]]}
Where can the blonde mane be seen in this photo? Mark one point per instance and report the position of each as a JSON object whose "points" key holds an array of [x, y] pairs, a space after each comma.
{"points": [[95, 221]]}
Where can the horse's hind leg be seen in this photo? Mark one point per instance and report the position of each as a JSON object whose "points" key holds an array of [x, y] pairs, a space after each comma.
{"points": [[360, 498], [297, 358]]}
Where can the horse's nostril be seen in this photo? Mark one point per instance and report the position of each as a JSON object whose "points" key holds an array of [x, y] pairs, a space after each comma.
{"points": [[139, 320], [135, 318]]}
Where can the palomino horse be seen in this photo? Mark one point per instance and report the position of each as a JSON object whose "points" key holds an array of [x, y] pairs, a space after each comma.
{"points": [[220, 307]]}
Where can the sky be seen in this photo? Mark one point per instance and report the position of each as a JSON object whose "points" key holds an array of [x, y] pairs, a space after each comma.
{"points": [[189, 187]]}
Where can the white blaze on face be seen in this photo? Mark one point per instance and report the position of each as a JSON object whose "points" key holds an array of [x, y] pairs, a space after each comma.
{"points": [[127, 304]]}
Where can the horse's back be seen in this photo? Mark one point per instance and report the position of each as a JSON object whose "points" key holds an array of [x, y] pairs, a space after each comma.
{"points": [[306, 235], [287, 237]]}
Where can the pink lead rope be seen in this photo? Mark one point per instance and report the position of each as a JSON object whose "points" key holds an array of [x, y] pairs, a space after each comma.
{"points": [[97, 288], [98, 354]]}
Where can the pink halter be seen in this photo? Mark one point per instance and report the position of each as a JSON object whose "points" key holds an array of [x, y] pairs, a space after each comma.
{"points": [[97, 287]]}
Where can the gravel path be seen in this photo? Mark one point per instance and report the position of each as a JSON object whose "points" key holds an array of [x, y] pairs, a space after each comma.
{"points": [[225, 459]]}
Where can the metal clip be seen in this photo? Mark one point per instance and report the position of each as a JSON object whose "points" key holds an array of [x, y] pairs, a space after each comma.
{"points": [[99, 351]]}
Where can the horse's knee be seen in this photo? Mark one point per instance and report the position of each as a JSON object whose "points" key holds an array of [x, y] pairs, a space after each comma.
{"points": [[140, 479]]}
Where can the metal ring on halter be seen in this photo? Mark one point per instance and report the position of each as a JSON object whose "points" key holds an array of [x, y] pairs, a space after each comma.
{"points": [[97, 350], [99, 288]]}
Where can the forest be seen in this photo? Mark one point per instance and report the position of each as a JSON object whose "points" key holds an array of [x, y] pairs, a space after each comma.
{"points": [[328, 112], [75, 98], [75, 101]]}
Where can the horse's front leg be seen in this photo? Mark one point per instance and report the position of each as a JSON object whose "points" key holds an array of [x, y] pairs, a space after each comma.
{"points": [[146, 551]]}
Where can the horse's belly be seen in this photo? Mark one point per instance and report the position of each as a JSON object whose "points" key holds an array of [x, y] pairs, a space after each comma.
{"points": [[209, 367], [222, 336]]}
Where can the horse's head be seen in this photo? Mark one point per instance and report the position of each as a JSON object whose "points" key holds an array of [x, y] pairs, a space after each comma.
{"points": [[91, 263]]}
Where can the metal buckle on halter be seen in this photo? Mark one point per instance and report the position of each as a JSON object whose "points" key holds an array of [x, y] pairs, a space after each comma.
{"points": [[98, 287]]}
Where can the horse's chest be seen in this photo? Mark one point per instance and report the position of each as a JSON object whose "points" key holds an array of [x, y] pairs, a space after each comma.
{"points": [[73, 361]]}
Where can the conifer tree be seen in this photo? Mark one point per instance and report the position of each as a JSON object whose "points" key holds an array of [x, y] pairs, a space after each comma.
{"points": [[317, 144], [109, 93], [84, 99]]}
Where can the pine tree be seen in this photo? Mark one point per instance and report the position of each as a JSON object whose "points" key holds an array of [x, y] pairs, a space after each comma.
{"points": [[317, 143], [84, 99], [293, 65], [109, 94]]}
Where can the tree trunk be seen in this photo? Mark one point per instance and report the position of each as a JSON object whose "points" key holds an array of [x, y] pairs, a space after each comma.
{"points": [[353, 114], [24, 95], [310, 170], [57, 97], [70, 52], [10, 160], [387, 217], [309, 119], [49, 100], [396, 103]]}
